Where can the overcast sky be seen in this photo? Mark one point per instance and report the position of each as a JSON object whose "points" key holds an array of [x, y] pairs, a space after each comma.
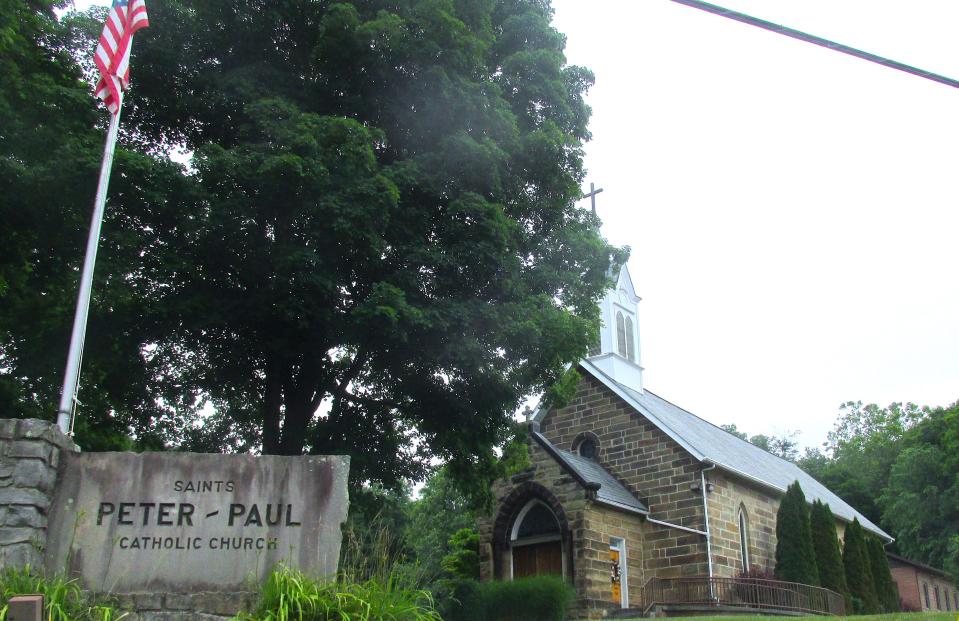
{"points": [[791, 210]]}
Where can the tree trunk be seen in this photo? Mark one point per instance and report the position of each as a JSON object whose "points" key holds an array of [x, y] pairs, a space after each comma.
{"points": [[272, 400]]}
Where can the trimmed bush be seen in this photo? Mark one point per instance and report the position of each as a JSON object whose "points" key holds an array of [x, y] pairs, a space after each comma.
{"points": [[795, 557], [887, 593], [855, 560], [825, 541], [538, 598]]}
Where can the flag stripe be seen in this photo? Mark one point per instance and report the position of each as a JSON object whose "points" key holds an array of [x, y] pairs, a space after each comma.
{"points": [[112, 56]]}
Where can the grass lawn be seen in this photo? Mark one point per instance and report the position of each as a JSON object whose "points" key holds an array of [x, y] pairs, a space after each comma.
{"points": [[901, 616]]}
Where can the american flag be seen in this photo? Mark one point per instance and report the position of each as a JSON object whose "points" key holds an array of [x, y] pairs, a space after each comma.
{"points": [[113, 50]]}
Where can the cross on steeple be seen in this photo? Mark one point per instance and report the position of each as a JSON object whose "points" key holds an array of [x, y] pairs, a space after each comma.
{"points": [[592, 196]]}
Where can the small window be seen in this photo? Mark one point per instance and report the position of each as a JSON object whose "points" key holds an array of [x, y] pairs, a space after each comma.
{"points": [[938, 603], [587, 448], [945, 596], [743, 539], [955, 599], [630, 354], [925, 592]]}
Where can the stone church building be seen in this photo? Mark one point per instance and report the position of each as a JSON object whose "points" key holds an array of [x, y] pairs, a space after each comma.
{"points": [[626, 487]]}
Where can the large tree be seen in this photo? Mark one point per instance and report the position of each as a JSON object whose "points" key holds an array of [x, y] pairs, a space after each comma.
{"points": [[375, 249], [795, 556]]}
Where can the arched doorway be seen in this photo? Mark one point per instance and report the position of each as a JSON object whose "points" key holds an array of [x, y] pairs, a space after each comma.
{"points": [[536, 542], [523, 530]]}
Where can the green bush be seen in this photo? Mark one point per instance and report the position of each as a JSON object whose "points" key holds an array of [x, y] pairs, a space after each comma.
{"points": [[855, 560], [795, 556], [825, 541], [63, 599], [539, 598]]}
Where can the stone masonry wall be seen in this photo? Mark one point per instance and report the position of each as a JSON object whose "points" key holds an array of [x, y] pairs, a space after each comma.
{"points": [[649, 463], [600, 525], [30, 452], [728, 495]]}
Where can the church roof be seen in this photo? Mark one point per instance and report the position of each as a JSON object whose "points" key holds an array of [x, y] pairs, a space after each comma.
{"points": [[708, 443], [589, 473]]}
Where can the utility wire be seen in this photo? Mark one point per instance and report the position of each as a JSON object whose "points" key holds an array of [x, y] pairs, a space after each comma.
{"points": [[832, 45]]}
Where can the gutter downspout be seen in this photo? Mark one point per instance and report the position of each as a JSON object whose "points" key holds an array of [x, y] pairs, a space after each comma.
{"points": [[709, 539]]}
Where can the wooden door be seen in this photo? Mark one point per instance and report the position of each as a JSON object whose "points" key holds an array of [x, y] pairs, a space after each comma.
{"points": [[538, 559]]}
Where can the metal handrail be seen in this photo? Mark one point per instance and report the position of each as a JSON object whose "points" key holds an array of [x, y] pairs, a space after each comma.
{"points": [[744, 592]]}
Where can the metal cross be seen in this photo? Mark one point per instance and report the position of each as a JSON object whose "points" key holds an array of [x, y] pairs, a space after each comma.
{"points": [[592, 196]]}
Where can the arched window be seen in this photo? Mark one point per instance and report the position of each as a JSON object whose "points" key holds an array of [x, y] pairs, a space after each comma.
{"points": [[587, 448], [744, 537], [586, 445], [630, 354], [620, 334], [536, 542]]}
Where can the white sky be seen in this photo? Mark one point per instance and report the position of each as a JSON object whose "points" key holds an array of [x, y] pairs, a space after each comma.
{"points": [[792, 210]]}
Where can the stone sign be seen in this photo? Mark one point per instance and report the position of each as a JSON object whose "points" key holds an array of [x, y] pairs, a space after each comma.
{"points": [[186, 522]]}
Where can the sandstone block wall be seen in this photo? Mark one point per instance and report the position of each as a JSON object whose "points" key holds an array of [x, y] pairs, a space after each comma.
{"points": [[649, 463], [30, 452], [200, 606], [760, 506], [601, 524]]}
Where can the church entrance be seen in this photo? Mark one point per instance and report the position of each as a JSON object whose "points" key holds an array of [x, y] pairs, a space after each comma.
{"points": [[536, 542], [538, 559]]}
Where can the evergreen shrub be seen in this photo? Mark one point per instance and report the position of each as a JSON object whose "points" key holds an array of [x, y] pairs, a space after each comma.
{"points": [[855, 560], [795, 557], [826, 545], [887, 593]]}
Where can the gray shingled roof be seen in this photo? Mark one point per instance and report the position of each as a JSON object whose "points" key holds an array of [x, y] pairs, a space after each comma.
{"points": [[713, 445], [611, 492]]}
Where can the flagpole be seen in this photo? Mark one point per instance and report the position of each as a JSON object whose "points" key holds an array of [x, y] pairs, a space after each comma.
{"points": [[71, 377]]}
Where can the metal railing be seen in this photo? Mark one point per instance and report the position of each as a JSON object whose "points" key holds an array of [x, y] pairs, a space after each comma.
{"points": [[743, 592]]}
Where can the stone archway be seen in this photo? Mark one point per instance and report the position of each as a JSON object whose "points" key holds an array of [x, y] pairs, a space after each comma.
{"points": [[524, 498]]}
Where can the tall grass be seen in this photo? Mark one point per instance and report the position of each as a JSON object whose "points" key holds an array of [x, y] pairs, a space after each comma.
{"points": [[373, 584], [63, 599]]}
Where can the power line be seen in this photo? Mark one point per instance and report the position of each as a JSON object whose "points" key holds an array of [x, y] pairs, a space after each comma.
{"points": [[808, 38]]}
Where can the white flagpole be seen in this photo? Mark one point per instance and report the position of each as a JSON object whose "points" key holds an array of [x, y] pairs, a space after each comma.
{"points": [[71, 377]]}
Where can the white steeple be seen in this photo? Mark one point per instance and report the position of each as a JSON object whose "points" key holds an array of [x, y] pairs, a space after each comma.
{"points": [[618, 355]]}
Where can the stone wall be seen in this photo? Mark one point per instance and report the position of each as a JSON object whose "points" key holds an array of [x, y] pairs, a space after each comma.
{"points": [[30, 453], [200, 606], [760, 506], [601, 524], [649, 463]]}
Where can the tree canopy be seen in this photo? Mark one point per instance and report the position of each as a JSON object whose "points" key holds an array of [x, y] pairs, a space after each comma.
{"points": [[374, 248], [897, 466]]}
